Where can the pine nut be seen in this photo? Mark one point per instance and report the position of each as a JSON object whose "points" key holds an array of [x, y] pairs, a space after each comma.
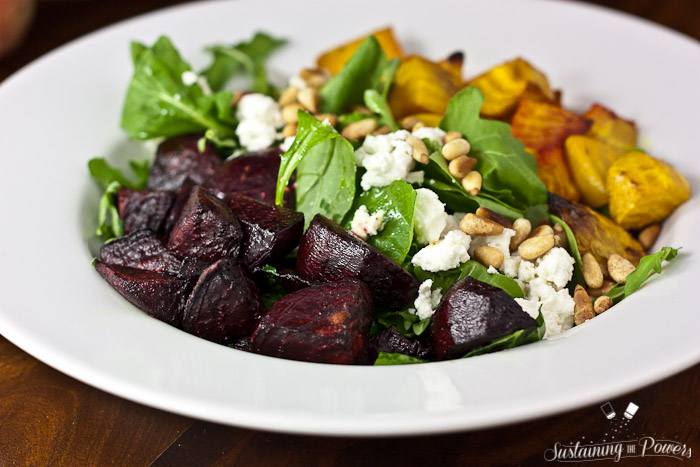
{"points": [[472, 182], [522, 229], [290, 129], [602, 304], [583, 308], [541, 230], [471, 224], [288, 96], [382, 130], [332, 118], [290, 113], [461, 166], [418, 126], [420, 152], [315, 77], [619, 268], [607, 285], [489, 214], [455, 148], [361, 109], [309, 99], [452, 135], [560, 240], [534, 247], [237, 95], [409, 122], [648, 235], [360, 129], [592, 273], [489, 256]]}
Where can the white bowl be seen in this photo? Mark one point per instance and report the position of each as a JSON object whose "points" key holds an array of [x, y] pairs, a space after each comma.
{"points": [[64, 109]]}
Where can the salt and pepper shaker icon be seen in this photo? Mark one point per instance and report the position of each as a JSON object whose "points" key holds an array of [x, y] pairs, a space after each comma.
{"points": [[631, 410], [608, 410]]}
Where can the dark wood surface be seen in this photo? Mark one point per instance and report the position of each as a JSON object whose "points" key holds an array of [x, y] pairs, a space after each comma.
{"points": [[47, 418]]}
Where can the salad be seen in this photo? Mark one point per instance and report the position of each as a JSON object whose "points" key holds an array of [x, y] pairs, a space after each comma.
{"points": [[379, 208]]}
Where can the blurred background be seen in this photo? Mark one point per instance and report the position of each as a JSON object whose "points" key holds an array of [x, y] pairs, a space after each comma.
{"points": [[30, 28]]}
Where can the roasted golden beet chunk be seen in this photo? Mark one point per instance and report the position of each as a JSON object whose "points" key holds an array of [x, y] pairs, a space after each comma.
{"points": [[206, 229], [328, 323], [225, 303], [178, 159], [253, 174], [392, 341], [328, 252], [161, 296], [141, 249], [270, 231], [472, 314], [142, 209]]}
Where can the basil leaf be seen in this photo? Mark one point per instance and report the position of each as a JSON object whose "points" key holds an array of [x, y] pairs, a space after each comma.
{"points": [[386, 358], [397, 200], [362, 71], [516, 339], [647, 266], [159, 104], [575, 253], [311, 132], [471, 268], [109, 224], [509, 172], [248, 57], [377, 104]]}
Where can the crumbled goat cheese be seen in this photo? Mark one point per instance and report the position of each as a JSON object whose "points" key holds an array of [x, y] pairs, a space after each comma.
{"points": [[429, 216], [259, 118], [543, 281], [500, 241], [427, 300], [557, 266], [417, 177], [492, 270], [386, 158], [452, 222], [365, 225], [445, 254], [189, 78], [436, 134]]}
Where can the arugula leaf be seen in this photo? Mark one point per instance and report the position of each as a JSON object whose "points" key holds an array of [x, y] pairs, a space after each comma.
{"points": [[397, 200], [509, 172], [159, 104], [386, 358], [575, 253], [109, 224], [406, 323], [245, 56], [516, 339], [325, 165], [444, 279], [377, 104], [647, 266], [387, 78], [364, 70], [104, 173]]}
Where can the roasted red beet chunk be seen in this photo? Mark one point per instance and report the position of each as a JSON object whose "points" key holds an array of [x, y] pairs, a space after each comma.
{"points": [[472, 314], [225, 304], [392, 341], [327, 323], [179, 158], [160, 295], [270, 231], [206, 229], [253, 174], [179, 202], [328, 252], [141, 209], [141, 250]]}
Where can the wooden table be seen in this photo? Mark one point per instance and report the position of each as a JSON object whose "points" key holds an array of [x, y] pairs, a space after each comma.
{"points": [[47, 418]]}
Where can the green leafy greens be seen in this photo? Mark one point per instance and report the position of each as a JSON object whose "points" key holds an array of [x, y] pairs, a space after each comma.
{"points": [[444, 279], [377, 104], [386, 358], [248, 57], [647, 266], [397, 200], [159, 103], [408, 324], [509, 172]]}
